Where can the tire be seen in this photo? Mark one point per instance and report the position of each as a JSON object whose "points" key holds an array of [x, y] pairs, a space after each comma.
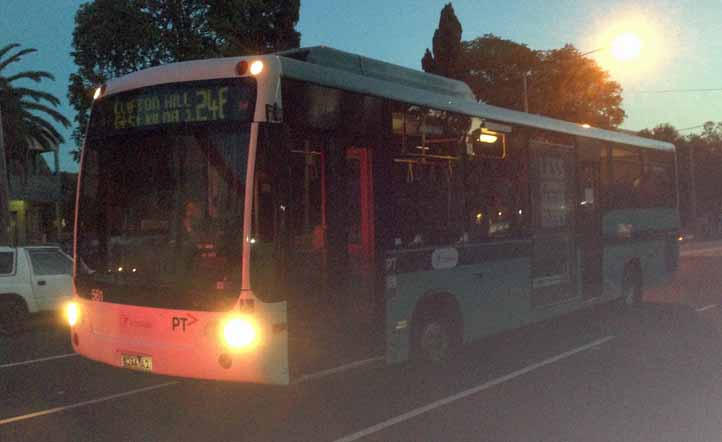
{"points": [[435, 339], [631, 287], [13, 313]]}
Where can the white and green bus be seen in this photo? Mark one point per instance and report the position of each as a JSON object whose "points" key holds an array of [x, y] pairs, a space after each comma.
{"points": [[265, 218]]}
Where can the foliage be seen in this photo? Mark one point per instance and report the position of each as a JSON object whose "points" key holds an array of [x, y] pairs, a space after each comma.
{"points": [[711, 136], [663, 132], [115, 37], [27, 114], [255, 26], [494, 69], [562, 83], [447, 47], [566, 85], [111, 38]]}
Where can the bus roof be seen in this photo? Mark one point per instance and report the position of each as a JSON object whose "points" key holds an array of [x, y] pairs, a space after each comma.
{"points": [[381, 70], [343, 70]]}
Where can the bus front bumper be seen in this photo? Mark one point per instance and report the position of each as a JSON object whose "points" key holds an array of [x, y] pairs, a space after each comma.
{"points": [[180, 343]]}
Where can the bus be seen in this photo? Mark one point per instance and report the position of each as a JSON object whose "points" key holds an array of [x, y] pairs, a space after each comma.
{"points": [[267, 218]]}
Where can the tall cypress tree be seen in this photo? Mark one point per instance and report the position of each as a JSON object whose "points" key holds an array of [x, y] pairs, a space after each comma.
{"points": [[446, 57]]}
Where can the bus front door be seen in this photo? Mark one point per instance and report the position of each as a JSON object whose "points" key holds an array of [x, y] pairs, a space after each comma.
{"points": [[553, 262], [334, 261]]}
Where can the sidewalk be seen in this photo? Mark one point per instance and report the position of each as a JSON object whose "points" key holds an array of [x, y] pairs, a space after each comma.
{"points": [[701, 248]]}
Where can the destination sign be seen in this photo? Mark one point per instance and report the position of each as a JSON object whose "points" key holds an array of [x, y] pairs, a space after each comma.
{"points": [[179, 103]]}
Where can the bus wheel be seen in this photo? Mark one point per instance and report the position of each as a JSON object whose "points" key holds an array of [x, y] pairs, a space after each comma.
{"points": [[435, 339], [632, 286], [12, 314]]}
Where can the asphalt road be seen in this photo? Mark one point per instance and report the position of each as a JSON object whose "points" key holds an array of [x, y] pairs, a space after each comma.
{"points": [[652, 373]]}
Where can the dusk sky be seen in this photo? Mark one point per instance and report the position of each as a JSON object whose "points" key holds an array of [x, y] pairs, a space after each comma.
{"points": [[682, 43]]}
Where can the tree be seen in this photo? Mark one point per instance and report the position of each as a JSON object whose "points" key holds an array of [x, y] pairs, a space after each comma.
{"points": [[115, 37], [447, 48], [111, 38], [568, 86], [710, 138], [663, 132], [495, 70], [562, 83], [27, 111], [24, 114], [255, 26]]}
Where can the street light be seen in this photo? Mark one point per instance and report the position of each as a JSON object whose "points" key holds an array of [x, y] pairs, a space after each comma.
{"points": [[624, 47]]}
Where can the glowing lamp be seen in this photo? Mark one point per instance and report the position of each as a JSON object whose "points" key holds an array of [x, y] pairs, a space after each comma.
{"points": [[239, 333], [72, 313], [488, 138], [256, 67], [626, 47]]}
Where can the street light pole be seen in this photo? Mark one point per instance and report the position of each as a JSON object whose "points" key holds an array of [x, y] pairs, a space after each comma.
{"points": [[584, 54]]}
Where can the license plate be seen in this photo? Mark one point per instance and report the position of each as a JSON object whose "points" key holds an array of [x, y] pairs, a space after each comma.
{"points": [[135, 362]]}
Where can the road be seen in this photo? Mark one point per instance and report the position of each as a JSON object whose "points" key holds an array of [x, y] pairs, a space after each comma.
{"points": [[652, 373]]}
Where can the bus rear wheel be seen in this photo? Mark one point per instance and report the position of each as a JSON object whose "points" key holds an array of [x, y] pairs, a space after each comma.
{"points": [[436, 339], [632, 287]]}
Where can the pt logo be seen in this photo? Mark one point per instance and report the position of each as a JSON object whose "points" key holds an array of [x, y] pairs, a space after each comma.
{"points": [[181, 322]]}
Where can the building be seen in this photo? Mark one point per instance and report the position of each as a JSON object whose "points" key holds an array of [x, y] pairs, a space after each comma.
{"points": [[38, 209]]}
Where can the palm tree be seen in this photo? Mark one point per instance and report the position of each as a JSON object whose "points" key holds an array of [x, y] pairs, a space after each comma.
{"points": [[23, 121], [25, 111]]}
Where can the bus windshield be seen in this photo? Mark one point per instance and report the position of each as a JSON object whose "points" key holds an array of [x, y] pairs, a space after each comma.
{"points": [[161, 214]]}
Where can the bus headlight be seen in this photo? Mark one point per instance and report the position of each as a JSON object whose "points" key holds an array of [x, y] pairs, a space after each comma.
{"points": [[240, 333], [72, 313]]}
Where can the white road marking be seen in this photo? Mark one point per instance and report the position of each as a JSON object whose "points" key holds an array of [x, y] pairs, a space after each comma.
{"points": [[485, 386], [339, 369], [706, 307], [82, 404], [34, 361], [706, 251]]}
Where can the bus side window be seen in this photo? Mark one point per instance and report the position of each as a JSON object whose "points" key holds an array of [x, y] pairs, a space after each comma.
{"points": [[307, 221], [658, 180], [626, 183], [426, 181], [497, 193]]}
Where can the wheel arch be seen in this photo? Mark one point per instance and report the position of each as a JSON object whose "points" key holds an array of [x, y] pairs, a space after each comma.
{"points": [[438, 303], [634, 266], [633, 270], [14, 297]]}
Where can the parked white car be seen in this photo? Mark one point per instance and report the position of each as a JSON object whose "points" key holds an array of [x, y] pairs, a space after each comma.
{"points": [[32, 279]]}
